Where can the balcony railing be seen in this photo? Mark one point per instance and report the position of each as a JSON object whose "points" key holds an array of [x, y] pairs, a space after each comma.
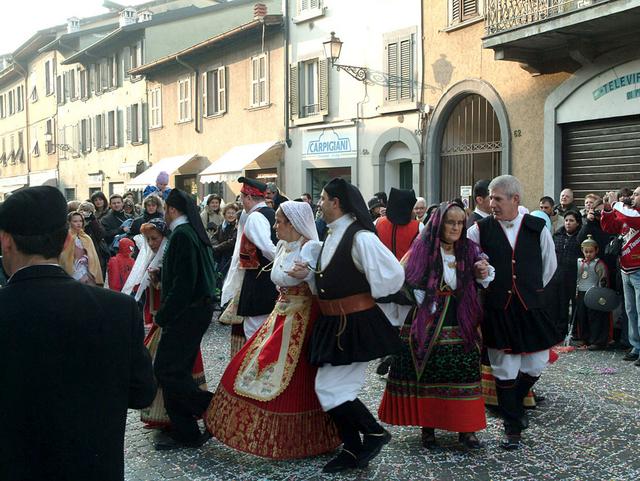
{"points": [[502, 15]]}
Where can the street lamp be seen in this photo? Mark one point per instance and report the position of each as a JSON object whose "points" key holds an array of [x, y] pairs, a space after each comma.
{"points": [[332, 49]]}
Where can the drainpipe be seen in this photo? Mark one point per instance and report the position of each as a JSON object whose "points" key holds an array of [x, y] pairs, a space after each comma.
{"points": [[287, 139], [198, 110], [424, 116]]}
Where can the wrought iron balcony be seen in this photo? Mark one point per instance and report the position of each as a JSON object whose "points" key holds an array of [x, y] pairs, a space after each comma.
{"points": [[559, 35], [507, 14]]}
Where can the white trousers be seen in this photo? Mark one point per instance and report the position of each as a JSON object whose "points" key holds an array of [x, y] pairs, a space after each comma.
{"points": [[338, 384], [252, 323], [506, 366]]}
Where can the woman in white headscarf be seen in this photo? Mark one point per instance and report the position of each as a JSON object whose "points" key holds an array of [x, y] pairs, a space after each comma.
{"points": [[266, 403]]}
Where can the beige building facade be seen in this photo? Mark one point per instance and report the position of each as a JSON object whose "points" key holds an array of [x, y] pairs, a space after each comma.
{"points": [[216, 109], [513, 88]]}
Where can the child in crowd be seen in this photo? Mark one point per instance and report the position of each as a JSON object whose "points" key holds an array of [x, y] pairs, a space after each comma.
{"points": [[591, 327], [120, 265]]}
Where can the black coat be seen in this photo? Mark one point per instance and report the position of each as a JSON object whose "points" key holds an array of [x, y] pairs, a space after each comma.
{"points": [[71, 362], [111, 223], [143, 219]]}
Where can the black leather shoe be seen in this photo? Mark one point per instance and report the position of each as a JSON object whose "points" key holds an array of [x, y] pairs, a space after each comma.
{"points": [[469, 440], [630, 357], [511, 442], [371, 446], [342, 462], [637, 363], [166, 442], [429, 438]]}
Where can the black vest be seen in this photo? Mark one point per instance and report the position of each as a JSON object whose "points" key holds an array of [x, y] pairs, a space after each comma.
{"points": [[341, 278], [519, 272]]}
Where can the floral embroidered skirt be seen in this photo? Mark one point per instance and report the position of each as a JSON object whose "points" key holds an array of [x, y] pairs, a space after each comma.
{"points": [[448, 394], [155, 415], [266, 403]]}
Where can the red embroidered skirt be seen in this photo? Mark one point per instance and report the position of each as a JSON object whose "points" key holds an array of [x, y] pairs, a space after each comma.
{"points": [[266, 403]]}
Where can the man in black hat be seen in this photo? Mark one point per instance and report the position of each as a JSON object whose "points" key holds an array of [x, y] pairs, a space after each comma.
{"points": [[186, 309], [254, 250], [354, 269], [72, 355]]}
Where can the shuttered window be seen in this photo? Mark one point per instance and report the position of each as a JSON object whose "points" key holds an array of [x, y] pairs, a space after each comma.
{"points": [[462, 10], [137, 123], [49, 136], [309, 94], [260, 80], [214, 91], [156, 108], [85, 135], [601, 156], [306, 5], [400, 71], [184, 99]]}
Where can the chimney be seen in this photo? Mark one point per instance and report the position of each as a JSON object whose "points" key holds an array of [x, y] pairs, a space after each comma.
{"points": [[259, 11], [73, 24], [144, 16], [127, 16]]}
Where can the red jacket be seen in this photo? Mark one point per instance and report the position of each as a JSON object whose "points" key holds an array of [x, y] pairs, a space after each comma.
{"points": [[397, 238], [623, 220]]}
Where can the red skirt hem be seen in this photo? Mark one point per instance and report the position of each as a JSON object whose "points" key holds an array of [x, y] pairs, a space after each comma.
{"points": [[462, 416]]}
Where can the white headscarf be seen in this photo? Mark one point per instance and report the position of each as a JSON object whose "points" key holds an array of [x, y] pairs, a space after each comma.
{"points": [[147, 259], [301, 217]]}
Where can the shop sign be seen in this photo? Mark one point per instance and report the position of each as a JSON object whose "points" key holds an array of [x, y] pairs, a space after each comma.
{"points": [[623, 81], [329, 143]]}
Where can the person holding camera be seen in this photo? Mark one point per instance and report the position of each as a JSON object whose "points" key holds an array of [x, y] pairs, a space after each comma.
{"points": [[623, 219], [211, 216]]}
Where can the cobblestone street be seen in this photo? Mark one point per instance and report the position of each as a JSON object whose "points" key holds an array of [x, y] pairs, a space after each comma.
{"points": [[587, 429]]}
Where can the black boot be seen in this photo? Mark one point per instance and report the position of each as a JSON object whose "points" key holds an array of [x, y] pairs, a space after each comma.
{"points": [[375, 436], [525, 384], [510, 404], [352, 444]]}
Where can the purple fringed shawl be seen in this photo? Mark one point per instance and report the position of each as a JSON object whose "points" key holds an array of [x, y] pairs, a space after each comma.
{"points": [[424, 271]]}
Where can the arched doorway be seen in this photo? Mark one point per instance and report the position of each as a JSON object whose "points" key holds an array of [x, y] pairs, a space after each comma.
{"points": [[471, 146]]}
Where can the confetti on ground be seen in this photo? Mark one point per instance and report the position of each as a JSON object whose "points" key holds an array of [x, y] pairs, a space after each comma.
{"points": [[588, 428]]}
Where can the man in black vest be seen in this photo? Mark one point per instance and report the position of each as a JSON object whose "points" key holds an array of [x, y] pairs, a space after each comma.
{"points": [[254, 250], [354, 269], [516, 329], [72, 355]]}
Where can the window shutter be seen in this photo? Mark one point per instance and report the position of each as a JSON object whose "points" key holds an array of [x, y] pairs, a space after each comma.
{"points": [[105, 130], [205, 93], [144, 122], [129, 123], [97, 134], [254, 81], [59, 91], [222, 90], [265, 84], [323, 86], [469, 9], [455, 11], [294, 104], [117, 70], [406, 68], [392, 71], [89, 140], [119, 128], [126, 61], [104, 75]]}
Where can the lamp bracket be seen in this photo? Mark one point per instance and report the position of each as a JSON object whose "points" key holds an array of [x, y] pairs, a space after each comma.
{"points": [[361, 74]]}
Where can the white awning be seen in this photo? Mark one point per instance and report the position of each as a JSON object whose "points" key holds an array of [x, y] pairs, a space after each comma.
{"points": [[168, 165], [9, 184], [230, 166], [49, 177]]}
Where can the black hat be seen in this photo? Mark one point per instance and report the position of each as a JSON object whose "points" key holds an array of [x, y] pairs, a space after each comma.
{"points": [[400, 206], [373, 203], [252, 186], [180, 200], [34, 211], [351, 201]]}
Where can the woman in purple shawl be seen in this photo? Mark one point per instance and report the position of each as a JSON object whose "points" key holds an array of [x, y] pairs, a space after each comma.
{"points": [[434, 382]]}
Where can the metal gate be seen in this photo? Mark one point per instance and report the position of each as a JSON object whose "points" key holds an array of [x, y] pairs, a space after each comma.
{"points": [[471, 146], [599, 156]]}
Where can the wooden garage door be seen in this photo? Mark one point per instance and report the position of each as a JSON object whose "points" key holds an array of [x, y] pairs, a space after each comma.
{"points": [[601, 155]]}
